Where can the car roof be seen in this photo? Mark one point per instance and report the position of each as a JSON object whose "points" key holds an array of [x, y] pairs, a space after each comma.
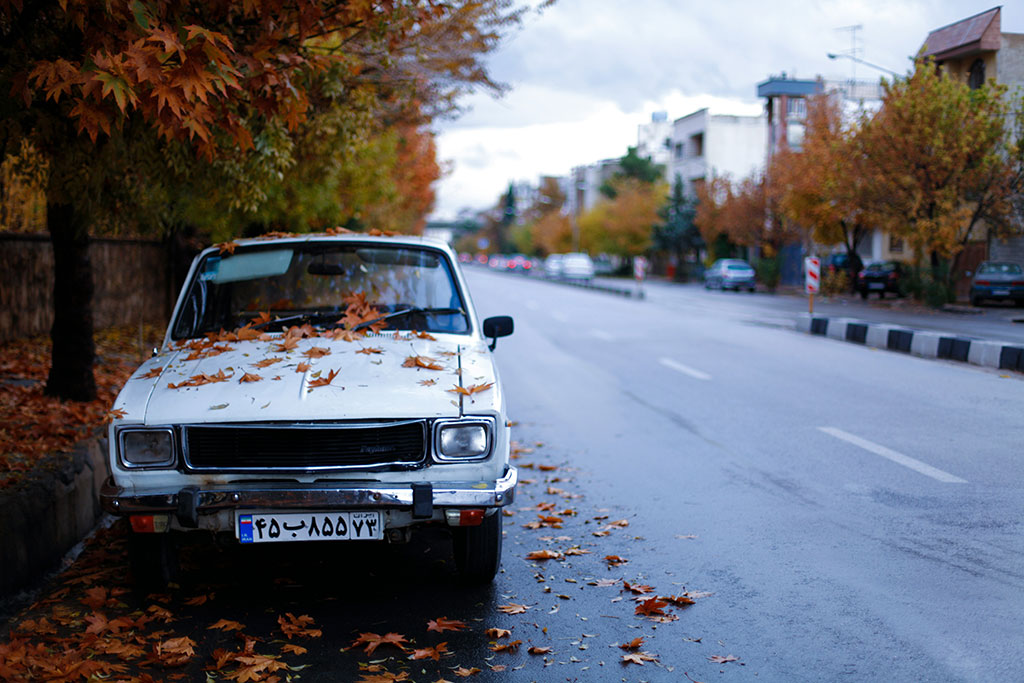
{"points": [[357, 237]]}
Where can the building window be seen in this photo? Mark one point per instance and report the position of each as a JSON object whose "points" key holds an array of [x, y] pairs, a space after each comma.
{"points": [[976, 76], [697, 145], [895, 244], [679, 150], [796, 108]]}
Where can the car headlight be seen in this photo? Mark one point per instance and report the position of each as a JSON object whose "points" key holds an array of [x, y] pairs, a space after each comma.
{"points": [[147, 447], [459, 440]]}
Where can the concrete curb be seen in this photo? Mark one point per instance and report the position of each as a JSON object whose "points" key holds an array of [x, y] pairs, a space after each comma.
{"points": [[596, 286], [45, 515], [923, 343]]}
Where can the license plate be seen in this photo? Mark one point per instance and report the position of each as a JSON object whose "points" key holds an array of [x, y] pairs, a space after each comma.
{"points": [[277, 527], [1000, 292], [876, 285]]}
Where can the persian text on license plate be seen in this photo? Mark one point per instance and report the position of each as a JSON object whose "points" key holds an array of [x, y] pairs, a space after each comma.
{"points": [[271, 527], [876, 285], [1000, 292]]}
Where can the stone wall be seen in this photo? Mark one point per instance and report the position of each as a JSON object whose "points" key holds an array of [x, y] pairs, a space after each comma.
{"points": [[131, 277]]}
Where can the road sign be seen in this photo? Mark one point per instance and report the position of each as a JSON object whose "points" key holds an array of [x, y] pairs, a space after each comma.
{"points": [[812, 275]]}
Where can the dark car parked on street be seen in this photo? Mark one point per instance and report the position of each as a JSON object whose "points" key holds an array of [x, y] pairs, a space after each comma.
{"points": [[880, 277], [998, 281]]}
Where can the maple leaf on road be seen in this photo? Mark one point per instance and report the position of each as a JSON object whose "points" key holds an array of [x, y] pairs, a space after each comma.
{"points": [[292, 625], [316, 352], [638, 658], [651, 607], [535, 650], [370, 350], [544, 555], [615, 560], [513, 608], [511, 646], [226, 625], [720, 659], [634, 644], [445, 624], [430, 652], [498, 632], [463, 672], [373, 641], [250, 377]]}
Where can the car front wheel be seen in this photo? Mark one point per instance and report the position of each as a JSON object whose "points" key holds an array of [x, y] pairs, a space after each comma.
{"points": [[477, 550]]}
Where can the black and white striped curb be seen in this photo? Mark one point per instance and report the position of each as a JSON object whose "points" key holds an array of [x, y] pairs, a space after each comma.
{"points": [[924, 343]]}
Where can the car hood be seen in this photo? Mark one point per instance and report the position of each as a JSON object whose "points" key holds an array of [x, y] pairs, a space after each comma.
{"points": [[173, 388]]}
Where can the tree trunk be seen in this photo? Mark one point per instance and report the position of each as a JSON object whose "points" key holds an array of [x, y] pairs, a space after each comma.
{"points": [[71, 375]]}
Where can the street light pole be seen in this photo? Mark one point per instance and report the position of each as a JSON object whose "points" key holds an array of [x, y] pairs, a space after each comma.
{"points": [[833, 55]]}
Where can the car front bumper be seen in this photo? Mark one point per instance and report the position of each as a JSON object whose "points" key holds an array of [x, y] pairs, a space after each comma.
{"points": [[189, 502]]}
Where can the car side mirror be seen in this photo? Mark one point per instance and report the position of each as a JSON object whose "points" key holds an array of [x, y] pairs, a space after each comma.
{"points": [[498, 326]]}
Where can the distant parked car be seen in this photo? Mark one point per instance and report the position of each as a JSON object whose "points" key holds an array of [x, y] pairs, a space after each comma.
{"points": [[841, 262], [496, 261], [553, 266], [730, 273], [998, 281], [577, 267], [880, 277], [519, 263]]}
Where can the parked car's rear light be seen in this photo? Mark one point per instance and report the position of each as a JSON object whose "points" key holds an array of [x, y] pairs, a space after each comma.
{"points": [[473, 517], [149, 524], [986, 283], [1017, 283], [861, 273], [894, 275]]}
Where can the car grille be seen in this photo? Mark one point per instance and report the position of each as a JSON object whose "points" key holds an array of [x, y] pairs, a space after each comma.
{"points": [[240, 448]]}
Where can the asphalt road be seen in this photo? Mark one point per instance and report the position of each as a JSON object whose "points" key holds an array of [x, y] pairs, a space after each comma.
{"points": [[857, 512], [834, 512]]}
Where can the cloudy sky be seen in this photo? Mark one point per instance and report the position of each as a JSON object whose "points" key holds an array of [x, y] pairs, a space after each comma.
{"points": [[585, 73]]}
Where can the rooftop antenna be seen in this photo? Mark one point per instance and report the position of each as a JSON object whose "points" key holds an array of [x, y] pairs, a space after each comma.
{"points": [[854, 52]]}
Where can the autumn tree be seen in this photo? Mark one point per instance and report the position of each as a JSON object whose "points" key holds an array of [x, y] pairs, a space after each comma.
{"points": [[138, 109], [944, 160], [712, 195], [545, 229], [824, 187], [623, 225]]}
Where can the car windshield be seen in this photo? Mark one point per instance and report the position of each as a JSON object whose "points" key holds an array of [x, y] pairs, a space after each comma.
{"points": [[317, 283], [739, 266], [884, 267], [999, 269]]}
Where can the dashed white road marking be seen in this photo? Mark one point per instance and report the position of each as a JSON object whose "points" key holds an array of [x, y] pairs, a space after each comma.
{"points": [[560, 317], [895, 456], [685, 369], [602, 335]]}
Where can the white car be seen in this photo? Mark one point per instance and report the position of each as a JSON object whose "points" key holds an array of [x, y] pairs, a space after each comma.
{"points": [[315, 388], [553, 266], [577, 267]]}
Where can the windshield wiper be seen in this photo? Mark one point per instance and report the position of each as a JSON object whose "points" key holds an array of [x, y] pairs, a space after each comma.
{"points": [[407, 311], [311, 317]]}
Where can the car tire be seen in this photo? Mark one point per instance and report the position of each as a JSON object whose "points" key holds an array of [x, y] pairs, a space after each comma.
{"points": [[750, 289], [477, 550], [864, 294], [153, 559], [976, 301]]}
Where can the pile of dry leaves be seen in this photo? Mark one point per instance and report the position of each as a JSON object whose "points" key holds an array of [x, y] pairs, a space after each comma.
{"points": [[33, 425]]}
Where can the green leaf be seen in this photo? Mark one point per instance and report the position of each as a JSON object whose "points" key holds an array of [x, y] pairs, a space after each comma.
{"points": [[140, 14]]}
